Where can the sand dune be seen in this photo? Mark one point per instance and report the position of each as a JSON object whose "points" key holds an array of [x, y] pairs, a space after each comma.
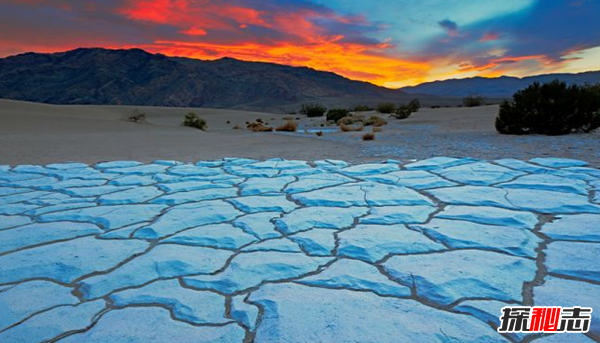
{"points": [[39, 133]]}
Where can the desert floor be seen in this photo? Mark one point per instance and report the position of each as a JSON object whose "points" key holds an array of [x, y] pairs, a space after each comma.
{"points": [[40, 133]]}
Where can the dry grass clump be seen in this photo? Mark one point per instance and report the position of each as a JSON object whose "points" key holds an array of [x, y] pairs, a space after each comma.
{"points": [[349, 120], [137, 117], [375, 121], [237, 127], [259, 127], [319, 133], [289, 126], [350, 128], [376, 129], [368, 137]]}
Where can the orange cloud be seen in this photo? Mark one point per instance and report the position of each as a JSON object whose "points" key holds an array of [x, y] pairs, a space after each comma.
{"points": [[351, 60]]}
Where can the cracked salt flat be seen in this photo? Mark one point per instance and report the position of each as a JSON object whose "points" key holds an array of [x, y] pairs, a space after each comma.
{"points": [[295, 251]]}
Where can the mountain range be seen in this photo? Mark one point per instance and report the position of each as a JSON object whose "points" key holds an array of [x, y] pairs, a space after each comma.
{"points": [[136, 77], [499, 87]]}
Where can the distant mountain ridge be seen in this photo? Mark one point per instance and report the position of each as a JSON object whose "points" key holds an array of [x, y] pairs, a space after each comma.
{"points": [[136, 77], [500, 87]]}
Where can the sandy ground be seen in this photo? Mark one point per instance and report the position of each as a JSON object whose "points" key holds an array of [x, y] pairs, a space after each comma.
{"points": [[33, 133]]}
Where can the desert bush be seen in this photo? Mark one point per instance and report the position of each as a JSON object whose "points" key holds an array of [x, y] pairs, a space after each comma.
{"points": [[552, 108], [336, 114], [386, 107], [473, 101], [349, 120], [137, 117], [319, 133], [350, 128], [376, 129], [289, 126], [435, 106], [313, 110], [403, 112], [192, 120], [362, 108], [368, 137], [375, 121], [259, 127], [414, 105], [258, 120]]}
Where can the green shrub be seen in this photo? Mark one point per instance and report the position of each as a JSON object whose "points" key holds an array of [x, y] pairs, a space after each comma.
{"points": [[375, 121], [313, 110], [386, 107], [473, 101], [362, 108], [192, 120], [551, 109], [337, 114], [403, 112]]}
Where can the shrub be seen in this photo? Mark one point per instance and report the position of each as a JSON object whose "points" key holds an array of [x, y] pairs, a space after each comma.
{"points": [[375, 121], [473, 101], [313, 110], [350, 128], [368, 137], [386, 107], [337, 114], [551, 109], [376, 129], [258, 127], [403, 112], [414, 105], [289, 126], [137, 117], [349, 120], [362, 108], [192, 120], [258, 120], [319, 133]]}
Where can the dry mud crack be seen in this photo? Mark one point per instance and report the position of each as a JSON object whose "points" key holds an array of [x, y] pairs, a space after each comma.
{"points": [[238, 250]]}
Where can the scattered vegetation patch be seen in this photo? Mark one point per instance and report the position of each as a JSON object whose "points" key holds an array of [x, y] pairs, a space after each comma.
{"points": [[473, 101], [376, 129], [362, 108], [137, 117], [289, 126], [336, 114], [313, 110], [319, 133], [368, 137], [375, 121], [552, 108], [386, 107], [192, 120]]}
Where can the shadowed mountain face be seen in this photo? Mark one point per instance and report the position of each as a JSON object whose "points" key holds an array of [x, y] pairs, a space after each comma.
{"points": [[501, 87], [135, 77]]}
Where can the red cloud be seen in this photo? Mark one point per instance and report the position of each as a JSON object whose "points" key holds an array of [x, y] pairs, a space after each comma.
{"points": [[489, 37]]}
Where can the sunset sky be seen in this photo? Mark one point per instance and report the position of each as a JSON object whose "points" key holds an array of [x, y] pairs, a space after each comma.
{"points": [[392, 43]]}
